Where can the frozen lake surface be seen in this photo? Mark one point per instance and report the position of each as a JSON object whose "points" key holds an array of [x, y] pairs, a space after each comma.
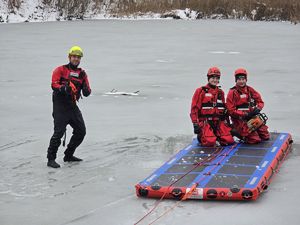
{"points": [[130, 136]]}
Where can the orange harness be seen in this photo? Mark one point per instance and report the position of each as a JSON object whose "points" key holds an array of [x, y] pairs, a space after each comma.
{"points": [[73, 92]]}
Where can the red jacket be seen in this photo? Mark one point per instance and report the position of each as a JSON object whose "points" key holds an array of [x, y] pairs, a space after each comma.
{"points": [[207, 102], [63, 75], [241, 100]]}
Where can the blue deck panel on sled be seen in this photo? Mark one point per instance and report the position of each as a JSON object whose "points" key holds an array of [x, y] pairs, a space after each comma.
{"points": [[237, 172]]}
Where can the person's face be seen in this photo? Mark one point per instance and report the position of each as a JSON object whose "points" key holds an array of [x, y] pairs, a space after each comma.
{"points": [[241, 82], [74, 59], [214, 80]]}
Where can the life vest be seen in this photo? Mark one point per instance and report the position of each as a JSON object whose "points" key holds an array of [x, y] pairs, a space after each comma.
{"points": [[74, 78], [245, 101], [212, 104]]}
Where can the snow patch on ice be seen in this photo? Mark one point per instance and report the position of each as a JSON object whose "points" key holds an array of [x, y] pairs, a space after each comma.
{"points": [[162, 61], [216, 52], [223, 52], [111, 179]]}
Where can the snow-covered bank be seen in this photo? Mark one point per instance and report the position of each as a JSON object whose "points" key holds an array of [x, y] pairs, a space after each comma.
{"points": [[36, 11], [39, 11]]}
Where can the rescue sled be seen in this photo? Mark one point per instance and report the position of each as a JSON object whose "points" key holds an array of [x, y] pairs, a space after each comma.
{"points": [[237, 172]]}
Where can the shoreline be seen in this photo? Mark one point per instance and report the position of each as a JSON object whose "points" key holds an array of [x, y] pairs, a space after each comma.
{"points": [[186, 14]]}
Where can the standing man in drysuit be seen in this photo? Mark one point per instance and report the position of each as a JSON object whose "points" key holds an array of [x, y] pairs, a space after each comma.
{"points": [[208, 112], [243, 103], [68, 82]]}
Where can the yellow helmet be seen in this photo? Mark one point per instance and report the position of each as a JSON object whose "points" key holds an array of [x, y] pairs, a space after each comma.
{"points": [[76, 50]]}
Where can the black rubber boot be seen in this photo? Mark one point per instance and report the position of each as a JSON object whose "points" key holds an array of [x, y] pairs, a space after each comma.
{"points": [[53, 164], [71, 159], [199, 140], [235, 133]]}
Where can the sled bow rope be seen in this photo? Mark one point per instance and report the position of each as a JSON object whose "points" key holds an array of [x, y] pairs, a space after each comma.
{"points": [[189, 192]]}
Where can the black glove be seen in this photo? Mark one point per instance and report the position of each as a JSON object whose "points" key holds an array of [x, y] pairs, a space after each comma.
{"points": [[256, 111], [65, 89], [85, 89], [196, 128], [249, 115]]}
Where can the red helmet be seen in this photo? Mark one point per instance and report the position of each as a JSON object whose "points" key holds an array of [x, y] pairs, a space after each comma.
{"points": [[240, 72], [213, 71]]}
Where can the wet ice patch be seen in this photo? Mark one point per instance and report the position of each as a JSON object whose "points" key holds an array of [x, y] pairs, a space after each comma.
{"points": [[152, 164], [7, 81], [161, 86]]}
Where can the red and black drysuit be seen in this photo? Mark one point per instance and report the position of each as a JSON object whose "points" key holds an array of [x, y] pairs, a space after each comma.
{"points": [[65, 109], [208, 111], [240, 102]]}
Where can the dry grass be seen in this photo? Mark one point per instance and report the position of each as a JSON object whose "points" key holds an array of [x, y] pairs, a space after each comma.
{"points": [[266, 9], [13, 4]]}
